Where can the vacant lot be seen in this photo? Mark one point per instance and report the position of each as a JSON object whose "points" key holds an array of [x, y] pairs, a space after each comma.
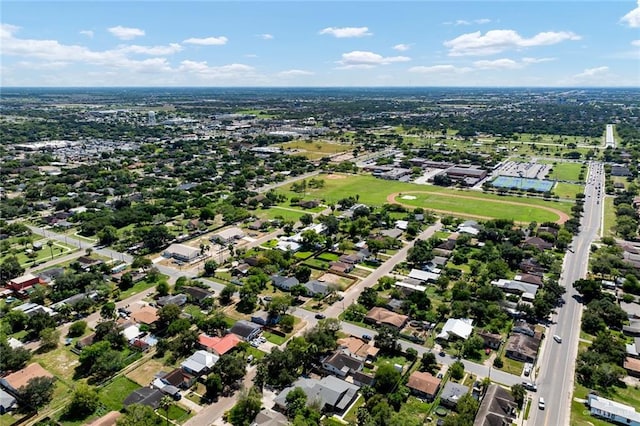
{"points": [[113, 394], [145, 374], [566, 172]]}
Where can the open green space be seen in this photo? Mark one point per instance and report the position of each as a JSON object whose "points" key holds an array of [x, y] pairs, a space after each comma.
{"points": [[566, 172], [609, 217], [512, 366], [567, 190], [276, 212], [139, 287], [114, 394], [435, 198], [315, 149], [274, 338]]}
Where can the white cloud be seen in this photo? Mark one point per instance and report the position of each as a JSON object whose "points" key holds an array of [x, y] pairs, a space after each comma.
{"points": [[593, 72], [346, 32], [266, 36], [7, 30], [439, 69], [537, 60], [632, 19], [496, 41], [250, 55], [635, 43], [295, 73], [208, 41], [461, 22], [482, 21], [152, 50], [204, 70], [497, 64], [402, 47], [363, 59], [124, 33], [86, 33]]}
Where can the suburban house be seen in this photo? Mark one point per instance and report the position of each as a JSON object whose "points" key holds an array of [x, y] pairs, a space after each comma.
{"points": [[340, 267], [172, 299], [491, 340], [538, 243], [381, 316], [24, 282], [268, 417], [332, 394], [146, 315], [632, 365], [342, 364], [246, 330], [263, 317], [7, 402], [178, 378], [181, 252], [633, 349], [522, 347], [423, 276], [218, 345], [317, 288], [351, 259], [497, 407], [166, 388], [423, 385], [612, 411], [451, 393], [394, 233], [14, 381], [409, 285], [523, 327], [227, 236], [144, 396], [530, 279], [30, 309], [197, 294], [108, 419], [199, 363], [284, 283], [525, 290], [49, 275], [460, 328], [358, 348]]}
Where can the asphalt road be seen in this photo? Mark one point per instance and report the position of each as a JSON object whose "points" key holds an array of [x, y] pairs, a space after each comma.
{"points": [[556, 374]]}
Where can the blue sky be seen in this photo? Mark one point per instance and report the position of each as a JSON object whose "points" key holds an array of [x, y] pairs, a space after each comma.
{"points": [[313, 43]]}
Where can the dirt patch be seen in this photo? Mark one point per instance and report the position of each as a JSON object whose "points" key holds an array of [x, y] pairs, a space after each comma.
{"points": [[563, 217], [145, 374], [333, 177]]}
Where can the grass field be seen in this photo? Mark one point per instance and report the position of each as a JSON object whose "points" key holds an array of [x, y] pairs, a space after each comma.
{"points": [[373, 191], [568, 190], [279, 212], [113, 394], [609, 217], [315, 149], [566, 172]]}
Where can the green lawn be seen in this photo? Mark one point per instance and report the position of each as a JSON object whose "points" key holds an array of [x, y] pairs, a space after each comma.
{"points": [[512, 366], [276, 212], [568, 190], [435, 198], [566, 172], [138, 287], [177, 413], [113, 394], [44, 254], [352, 415], [274, 338], [329, 257], [609, 217]]}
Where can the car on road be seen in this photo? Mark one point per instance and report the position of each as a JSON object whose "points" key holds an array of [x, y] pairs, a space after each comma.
{"points": [[529, 386], [557, 338], [320, 316], [268, 298], [541, 403], [366, 337], [441, 353]]}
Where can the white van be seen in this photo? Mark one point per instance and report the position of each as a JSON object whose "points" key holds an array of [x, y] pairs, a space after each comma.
{"points": [[557, 338]]}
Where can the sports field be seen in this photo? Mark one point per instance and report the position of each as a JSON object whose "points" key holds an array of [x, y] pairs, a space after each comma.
{"points": [[376, 192], [541, 185]]}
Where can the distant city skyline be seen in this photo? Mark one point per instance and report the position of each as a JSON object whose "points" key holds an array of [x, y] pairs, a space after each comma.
{"points": [[320, 44]]}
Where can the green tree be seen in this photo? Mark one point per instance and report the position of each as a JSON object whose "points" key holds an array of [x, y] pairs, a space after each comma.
{"points": [[139, 415], [108, 311], [518, 391], [210, 267], [108, 235], [387, 378], [162, 288], [246, 409], [37, 393], [214, 385], [83, 402], [49, 339], [457, 370], [296, 402], [168, 314], [227, 293]]}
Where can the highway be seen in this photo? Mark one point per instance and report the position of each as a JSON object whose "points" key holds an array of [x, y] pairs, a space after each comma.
{"points": [[556, 374]]}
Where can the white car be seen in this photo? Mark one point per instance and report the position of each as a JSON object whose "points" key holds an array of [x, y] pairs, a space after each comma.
{"points": [[541, 403], [557, 338]]}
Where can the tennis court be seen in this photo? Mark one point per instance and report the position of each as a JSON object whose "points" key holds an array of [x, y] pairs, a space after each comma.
{"points": [[541, 185]]}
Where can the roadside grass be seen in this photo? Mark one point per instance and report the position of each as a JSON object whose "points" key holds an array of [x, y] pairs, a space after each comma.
{"points": [[114, 394], [176, 414], [568, 190], [435, 198], [42, 255], [352, 414], [609, 217]]}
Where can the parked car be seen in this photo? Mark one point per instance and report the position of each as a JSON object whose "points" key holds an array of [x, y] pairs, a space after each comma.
{"points": [[366, 337], [320, 316], [529, 386], [541, 404]]}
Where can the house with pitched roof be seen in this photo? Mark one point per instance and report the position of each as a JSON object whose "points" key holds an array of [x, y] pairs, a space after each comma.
{"points": [[218, 345], [424, 385], [497, 408], [332, 394], [199, 363], [14, 381]]}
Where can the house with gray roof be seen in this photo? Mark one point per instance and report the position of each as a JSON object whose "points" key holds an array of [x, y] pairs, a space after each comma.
{"points": [[341, 364], [332, 394], [284, 283], [7, 402], [451, 393], [200, 363], [317, 288], [497, 408], [246, 330]]}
